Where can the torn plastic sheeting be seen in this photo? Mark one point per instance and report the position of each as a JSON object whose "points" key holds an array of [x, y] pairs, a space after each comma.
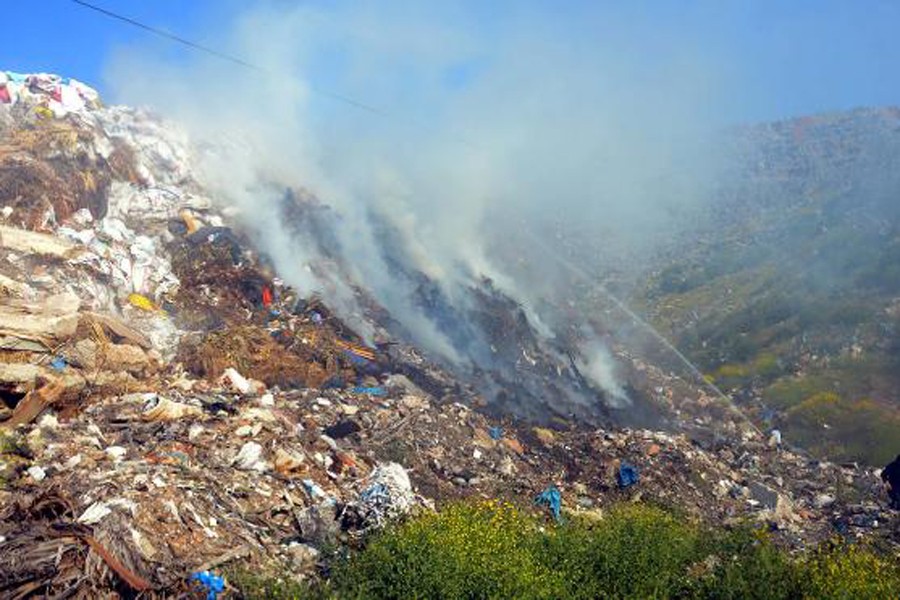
{"points": [[389, 493], [163, 409], [84, 237], [375, 494], [249, 458], [119, 329], [553, 499], [496, 433], [11, 342], [31, 242], [49, 322], [372, 391], [312, 488], [356, 359], [95, 513], [234, 380]]}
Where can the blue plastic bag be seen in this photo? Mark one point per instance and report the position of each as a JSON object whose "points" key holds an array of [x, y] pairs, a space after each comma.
{"points": [[552, 498], [627, 476], [213, 583]]}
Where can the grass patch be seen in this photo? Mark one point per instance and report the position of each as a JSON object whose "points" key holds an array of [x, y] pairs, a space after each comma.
{"points": [[262, 585], [833, 425], [788, 393], [493, 550], [765, 366]]}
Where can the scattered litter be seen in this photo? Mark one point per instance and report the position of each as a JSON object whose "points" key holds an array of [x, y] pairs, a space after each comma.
{"points": [[775, 439], [286, 462]]}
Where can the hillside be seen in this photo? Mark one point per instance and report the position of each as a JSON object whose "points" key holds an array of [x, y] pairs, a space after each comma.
{"points": [[789, 297]]}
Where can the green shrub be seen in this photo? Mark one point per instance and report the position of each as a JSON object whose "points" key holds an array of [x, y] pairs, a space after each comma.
{"points": [[634, 552], [861, 429], [263, 585], [744, 564], [485, 550], [850, 571]]}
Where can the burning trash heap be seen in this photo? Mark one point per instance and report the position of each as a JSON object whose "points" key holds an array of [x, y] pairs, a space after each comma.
{"points": [[170, 407]]}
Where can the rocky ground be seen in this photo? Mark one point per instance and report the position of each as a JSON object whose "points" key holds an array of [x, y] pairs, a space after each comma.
{"points": [[170, 406]]}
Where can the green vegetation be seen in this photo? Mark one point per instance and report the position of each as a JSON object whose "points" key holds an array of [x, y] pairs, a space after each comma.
{"points": [[860, 430], [14, 451], [14, 443], [830, 410], [795, 286], [494, 550], [263, 584], [764, 367]]}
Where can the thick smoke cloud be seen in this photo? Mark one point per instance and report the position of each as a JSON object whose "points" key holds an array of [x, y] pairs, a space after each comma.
{"points": [[479, 129]]}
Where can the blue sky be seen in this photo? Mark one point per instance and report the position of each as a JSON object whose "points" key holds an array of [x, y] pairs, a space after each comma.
{"points": [[786, 58]]}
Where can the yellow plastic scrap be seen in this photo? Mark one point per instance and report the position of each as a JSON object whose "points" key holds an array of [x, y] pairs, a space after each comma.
{"points": [[43, 112], [142, 302], [87, 179], [189, 221], [355, 349]]}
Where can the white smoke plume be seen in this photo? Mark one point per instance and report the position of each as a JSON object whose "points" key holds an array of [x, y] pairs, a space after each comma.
{"points": [[486, 126]]}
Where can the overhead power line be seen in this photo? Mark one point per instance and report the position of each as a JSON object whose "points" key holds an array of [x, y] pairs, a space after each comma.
{"points": [[362, 106], [222, 55]]}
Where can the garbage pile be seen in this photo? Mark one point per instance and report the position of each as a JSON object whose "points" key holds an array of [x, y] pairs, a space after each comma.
{"points": [[168, 406], [47, 94]]}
